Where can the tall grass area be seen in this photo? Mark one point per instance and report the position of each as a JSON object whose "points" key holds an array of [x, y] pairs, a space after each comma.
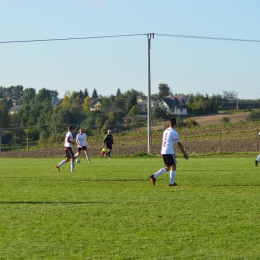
{"points": [[109, 209]]}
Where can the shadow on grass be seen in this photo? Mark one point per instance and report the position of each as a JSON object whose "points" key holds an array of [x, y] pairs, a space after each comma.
{"points": [[53, 202]]}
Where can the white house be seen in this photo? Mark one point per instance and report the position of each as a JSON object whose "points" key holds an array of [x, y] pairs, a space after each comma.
{"points": [[173, 104]]}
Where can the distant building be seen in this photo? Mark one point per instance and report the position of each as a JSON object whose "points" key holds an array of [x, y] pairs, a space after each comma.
{"points": [[173, 104], [14, 110], [142, 102], [95, 105]]}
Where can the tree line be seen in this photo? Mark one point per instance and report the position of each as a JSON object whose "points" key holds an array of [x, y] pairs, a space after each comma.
{"points": [[43, 117]]}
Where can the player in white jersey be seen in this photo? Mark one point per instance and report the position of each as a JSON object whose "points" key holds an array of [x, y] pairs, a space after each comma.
{"points": [[82, 142], [170, 137], [68, 141]]}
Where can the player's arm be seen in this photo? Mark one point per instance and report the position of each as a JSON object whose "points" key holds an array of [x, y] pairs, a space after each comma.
{"points": [[77, 141], [185, 155], [69, 140]]}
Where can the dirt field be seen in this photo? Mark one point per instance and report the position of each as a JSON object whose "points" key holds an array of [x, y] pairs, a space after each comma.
{"points": [[216, 119]]}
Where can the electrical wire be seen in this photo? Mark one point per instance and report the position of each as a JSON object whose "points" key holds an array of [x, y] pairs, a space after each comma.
{"points": [[74, 38], [207, 38], [133, 35]]}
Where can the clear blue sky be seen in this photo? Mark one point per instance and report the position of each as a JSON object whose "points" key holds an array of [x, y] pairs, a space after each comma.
{"points": [[187, 65]]}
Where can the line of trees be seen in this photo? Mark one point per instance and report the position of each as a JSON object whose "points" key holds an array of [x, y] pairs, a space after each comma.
{"points": [[44, 117]]}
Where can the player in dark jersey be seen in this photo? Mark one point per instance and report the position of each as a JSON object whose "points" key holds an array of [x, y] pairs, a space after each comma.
{"points": [[108, 142]]}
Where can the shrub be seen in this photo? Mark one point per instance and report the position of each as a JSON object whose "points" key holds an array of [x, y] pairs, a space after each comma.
{"points": [[225, 120]]}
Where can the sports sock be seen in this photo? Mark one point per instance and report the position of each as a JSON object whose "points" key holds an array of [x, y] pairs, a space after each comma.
{"points": [[172, 176], [160, 172], [61, 163], [258, 158], [76, 155], [72, 166]]}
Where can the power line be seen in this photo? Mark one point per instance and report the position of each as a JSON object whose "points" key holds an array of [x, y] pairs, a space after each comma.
{"points": [[207, 38], [132, 35], [75, 38]]}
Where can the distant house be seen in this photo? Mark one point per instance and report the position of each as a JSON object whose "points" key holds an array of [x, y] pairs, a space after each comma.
{"points": [[98, 102], [95, 104], [142, 102], [173, 104], [141, 98], [14, 110]]}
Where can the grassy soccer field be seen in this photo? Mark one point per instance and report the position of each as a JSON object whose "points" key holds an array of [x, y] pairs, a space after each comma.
{"points": [[109, 210]]}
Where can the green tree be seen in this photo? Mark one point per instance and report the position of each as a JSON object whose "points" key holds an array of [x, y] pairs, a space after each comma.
{"points": [[118, 93], [120, 102], [86, 93], [4, 116], [86, 104], [158, 113], [94, 94], [23, 114], [164, 90], [14, 92], [44, 95], [29, 96], [132, 102], [105, 104], [133, 111]]}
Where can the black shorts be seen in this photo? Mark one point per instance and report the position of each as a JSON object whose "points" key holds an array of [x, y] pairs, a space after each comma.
{"points": [[169, 159], [109, 146], [69, 152], [84, 148]]}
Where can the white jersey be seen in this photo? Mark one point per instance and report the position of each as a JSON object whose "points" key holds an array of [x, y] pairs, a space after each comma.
{"points": [[81, 139], [68, 137], [170, 137]]}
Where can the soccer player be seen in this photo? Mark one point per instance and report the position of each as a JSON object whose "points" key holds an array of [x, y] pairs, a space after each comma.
{"points": [[68, 141], [170, 137], [82, 143], [108, 141]]}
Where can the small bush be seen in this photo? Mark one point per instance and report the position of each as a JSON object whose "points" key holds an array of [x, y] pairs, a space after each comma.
{"points": [[141, 154], [225, 120]]}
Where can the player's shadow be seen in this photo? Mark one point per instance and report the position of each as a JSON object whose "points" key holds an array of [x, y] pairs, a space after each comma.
{"points": [[55, 202]]}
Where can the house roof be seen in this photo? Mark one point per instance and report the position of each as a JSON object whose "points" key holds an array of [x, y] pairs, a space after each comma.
{"points": [[171, 102], [15, 108], [96, 101]]}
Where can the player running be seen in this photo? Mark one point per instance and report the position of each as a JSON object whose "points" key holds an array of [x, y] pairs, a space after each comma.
{"points": [[82, 144], [68, 141]]}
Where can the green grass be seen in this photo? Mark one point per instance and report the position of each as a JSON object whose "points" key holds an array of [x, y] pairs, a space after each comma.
{"points": [[109, 210]]}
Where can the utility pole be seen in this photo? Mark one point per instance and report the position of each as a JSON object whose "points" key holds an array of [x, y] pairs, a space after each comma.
{"points": [[237, 100], [149, 115]]}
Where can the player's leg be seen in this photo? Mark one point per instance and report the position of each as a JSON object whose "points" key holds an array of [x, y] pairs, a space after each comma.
{"points": [[71, 157], [173, 172], [62, 163], [160, 172], [87, 155], [109, 149], [77, 153]]}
